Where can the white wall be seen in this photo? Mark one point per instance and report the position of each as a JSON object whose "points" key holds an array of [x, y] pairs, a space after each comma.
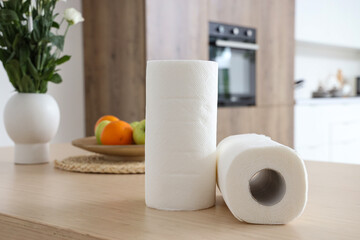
{"points": [[69, 94], [334, 22]]}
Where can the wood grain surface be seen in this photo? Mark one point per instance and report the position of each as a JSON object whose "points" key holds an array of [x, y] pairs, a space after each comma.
{"points": [[273, 114], [40, 202], [115, 61], [177, 29], [274, 121]]}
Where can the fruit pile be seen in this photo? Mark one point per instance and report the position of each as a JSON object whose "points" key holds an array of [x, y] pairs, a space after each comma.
{"points": [[109, 130]]}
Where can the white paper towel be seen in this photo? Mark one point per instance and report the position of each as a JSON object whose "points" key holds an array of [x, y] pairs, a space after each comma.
{"points": [[180, 149], [261, 181]]}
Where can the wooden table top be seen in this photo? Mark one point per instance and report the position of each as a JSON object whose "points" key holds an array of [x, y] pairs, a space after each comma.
{"points": [[40, 202]]}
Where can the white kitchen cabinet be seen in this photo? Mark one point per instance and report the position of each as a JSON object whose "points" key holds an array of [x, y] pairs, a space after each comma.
{"points": [[318, 152], [348, 152], [330, 22], [328, 130]]}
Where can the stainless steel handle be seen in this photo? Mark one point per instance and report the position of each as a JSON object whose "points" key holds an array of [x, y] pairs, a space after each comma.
{"points": [[233, 44]]}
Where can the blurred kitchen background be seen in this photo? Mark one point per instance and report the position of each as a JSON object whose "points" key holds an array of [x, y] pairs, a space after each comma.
{"points": [[327, 59], [287, 69]]}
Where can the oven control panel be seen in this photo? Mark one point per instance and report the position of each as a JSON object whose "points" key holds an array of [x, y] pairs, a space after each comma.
{"points": [[231, 32]]}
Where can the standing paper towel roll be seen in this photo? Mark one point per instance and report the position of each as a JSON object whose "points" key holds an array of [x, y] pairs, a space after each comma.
{"points": [[180, 149], [261, 181]]}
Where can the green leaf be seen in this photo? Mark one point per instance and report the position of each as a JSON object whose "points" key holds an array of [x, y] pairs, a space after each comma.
{"points": [[33, 71], [24, 53], [56, 78], [38, 59], [25, 6], [16, 41], [43, 87], [12, 55], [55, 15], [55, 25], [13, 4], [7, 16], [35, 34], [28, 84], [50, 63], [13, 71], [24, 57], [58, 41], [2, 40], [4, 55], [10, 4], [63, 59], [43, 60]]}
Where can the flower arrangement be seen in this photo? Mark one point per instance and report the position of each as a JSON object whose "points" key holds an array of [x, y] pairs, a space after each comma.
{"points": [[30, 42]]}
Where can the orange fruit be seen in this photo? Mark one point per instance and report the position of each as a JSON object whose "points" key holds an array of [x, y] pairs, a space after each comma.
{"points": [[110, 118], [117, 133]]}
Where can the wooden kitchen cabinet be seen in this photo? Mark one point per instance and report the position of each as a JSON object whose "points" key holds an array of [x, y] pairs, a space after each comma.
{"points": [[115, 60], [176, 29], [138, 30], [274, 23], [272, 121]]}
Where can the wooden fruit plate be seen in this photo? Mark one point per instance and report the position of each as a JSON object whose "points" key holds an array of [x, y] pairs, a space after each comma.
{"points": [[113, 152]]}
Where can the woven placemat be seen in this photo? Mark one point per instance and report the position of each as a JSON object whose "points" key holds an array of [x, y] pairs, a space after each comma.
{"points": [[99, 164]]}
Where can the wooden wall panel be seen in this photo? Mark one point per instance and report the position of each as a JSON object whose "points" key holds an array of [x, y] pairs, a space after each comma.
{"points": [[275, 121], [115, 58], [238, 12], [177, 29], [276, 36]]}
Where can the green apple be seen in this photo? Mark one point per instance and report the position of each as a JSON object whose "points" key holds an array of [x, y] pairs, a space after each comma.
{"points": [[134, 124], [139, 133], [99, 129]]}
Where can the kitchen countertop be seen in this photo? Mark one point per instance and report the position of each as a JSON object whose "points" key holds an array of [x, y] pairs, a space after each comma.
{"points": [[40, 202], [330, 100]]}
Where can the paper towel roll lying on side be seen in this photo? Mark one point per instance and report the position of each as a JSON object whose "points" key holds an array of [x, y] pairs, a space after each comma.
{"points": [[261, 181], [180, 149]]}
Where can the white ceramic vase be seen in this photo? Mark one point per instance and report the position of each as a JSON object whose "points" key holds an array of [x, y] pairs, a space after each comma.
{"points": [[31, 120]]}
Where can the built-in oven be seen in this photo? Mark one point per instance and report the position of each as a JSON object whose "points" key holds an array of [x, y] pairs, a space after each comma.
{"points": [[234, 49]]}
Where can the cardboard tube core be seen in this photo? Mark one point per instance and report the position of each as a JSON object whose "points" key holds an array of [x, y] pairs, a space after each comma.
{"points": [[267, 187]]}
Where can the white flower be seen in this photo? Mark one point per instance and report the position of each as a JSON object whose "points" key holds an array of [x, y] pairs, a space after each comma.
{"points": [[72, 16], [30, 24], [1, 2], [30, 20]]}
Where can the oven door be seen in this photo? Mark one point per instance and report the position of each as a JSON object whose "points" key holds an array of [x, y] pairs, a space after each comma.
{"points": [[236, 62]]}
